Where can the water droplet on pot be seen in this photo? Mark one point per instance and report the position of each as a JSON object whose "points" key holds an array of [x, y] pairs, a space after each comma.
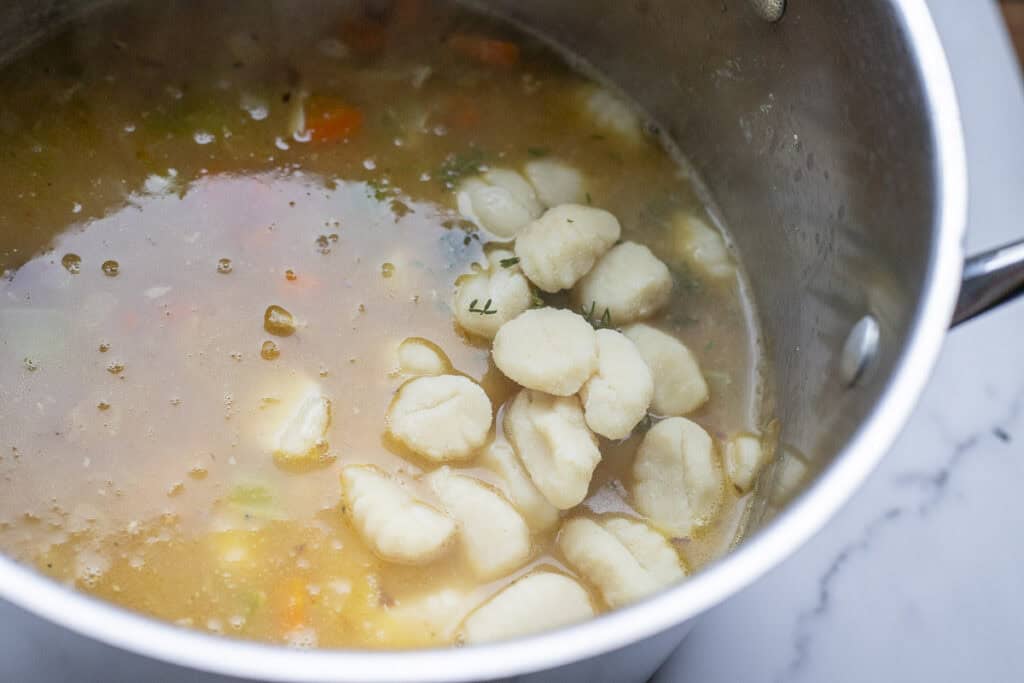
{"points": [[224, 265], [110, 268], [387, 270]]}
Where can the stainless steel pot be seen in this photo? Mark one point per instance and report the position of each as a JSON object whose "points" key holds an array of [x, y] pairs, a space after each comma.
{"points": [[831, 144]]}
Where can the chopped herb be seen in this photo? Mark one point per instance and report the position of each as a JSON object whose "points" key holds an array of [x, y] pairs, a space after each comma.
{"points": [[457, 166], [486, 310], [536, 301], [570, 220], [377, 189], [605, 321], [509, 262], [537, 151], [710, 345], [589, 200]]}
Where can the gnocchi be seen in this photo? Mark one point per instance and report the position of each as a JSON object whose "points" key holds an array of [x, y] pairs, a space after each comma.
{"points": [[624, 559], [629, 282], [677, 481], [438, 613], [502, 284], [395, 525], [561, 246], [494, 537], [547, 349], [551, 437], [442, 418], [616, 398], [303, 437], [501, 202], [418, 357], [679, 385], [701, 246], [537, 602], [556, 182], [520, 489], [611, 114], [743, 458]]}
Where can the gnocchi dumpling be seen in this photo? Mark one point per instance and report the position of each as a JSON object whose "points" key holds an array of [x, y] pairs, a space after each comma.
{"points": [[500, 201], [501, 288], [548, 349], [436, 614], [418, 357], [743, 457], [677, 481], [629, 282], [551, 437], [624, 559], [789, 475], [702, 246], [538, 512], [395, 525], [616, 398], [537, 602], [494, 537], [561, 246], [556, 182], [611, 114], [303, 436], [679, 385], [442, 418]]}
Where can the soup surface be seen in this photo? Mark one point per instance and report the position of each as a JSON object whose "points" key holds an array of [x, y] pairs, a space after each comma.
{"points": [[170, 171]]}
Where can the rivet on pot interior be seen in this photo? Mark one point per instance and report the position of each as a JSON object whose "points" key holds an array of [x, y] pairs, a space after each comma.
{"points": [[769, 10], [859, 350]]}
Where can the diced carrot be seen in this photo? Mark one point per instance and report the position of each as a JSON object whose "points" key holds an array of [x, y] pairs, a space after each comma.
{"points": [[463, 112], [364, 36], [407, 13], [292, 604], [329, 120], [485, 50]]}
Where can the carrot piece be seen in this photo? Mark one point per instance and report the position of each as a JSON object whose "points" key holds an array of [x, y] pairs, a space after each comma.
{"points": [[462, 112], [485, 50], [292, 604], [364, 36], [407, 13], [329, 120]]}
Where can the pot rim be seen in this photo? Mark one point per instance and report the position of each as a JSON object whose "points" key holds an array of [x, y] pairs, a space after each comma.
{"points": [[804, 517]]}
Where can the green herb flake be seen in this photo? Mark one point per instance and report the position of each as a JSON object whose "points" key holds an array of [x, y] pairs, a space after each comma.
{"points": [[537, 151], [589, 200], [486, 310], [455, 167], [509, 262], [602, 322]]}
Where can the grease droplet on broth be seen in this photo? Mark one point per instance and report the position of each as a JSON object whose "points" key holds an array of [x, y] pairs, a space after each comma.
{"points": [[278, 321]]}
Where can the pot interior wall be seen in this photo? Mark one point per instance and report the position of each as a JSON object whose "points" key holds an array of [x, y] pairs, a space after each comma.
{"points": [[813, 138]]}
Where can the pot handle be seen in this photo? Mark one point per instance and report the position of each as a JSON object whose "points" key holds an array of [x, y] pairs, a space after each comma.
{"points": [[990, 278]]}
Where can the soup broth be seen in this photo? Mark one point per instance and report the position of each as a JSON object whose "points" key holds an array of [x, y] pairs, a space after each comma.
{"points": [[170, 171]]}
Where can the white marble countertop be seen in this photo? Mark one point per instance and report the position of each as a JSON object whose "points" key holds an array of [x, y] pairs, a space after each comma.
{"points": [[919, 577]]}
